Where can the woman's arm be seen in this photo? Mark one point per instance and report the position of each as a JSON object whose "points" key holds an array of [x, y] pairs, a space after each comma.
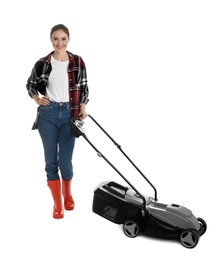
{"points": [[82, 112]]}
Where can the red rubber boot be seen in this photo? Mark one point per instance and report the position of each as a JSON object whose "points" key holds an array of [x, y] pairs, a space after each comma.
{"points": [[69, 203], [55, 188]]}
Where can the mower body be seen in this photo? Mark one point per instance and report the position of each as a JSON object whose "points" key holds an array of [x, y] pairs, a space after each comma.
{"points": [[122, 205]]}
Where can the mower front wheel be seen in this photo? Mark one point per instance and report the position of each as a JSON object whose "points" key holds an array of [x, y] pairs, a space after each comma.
{"points": [[203, 224]]}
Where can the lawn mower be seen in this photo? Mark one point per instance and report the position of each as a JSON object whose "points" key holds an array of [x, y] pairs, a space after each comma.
{"points": [[137, 212]]}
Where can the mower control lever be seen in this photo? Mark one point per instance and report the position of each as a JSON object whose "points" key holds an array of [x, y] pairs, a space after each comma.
{"points": [[77, 127]]}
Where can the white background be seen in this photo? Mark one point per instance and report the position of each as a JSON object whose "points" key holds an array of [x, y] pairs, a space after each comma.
{"points": [[154, 71]]}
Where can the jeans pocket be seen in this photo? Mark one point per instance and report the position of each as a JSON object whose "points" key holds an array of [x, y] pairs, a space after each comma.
{"points": [[44, 108]]}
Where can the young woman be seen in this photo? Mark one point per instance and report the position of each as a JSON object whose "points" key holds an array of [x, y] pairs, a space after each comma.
{"points": [[58, 84]]}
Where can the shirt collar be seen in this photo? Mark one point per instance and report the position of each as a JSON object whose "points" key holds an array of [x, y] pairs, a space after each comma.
{"points": [[47, 59]]}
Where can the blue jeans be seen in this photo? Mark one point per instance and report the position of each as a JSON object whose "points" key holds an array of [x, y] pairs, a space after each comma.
{"points": [[56, 133]]}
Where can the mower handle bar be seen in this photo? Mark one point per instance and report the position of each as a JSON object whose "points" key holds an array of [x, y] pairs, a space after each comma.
{"points": [[119, 147], [81, 132]]}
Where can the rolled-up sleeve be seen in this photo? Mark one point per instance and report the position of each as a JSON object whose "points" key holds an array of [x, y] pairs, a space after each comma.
{"points": [[84, 86], [31, 83]]}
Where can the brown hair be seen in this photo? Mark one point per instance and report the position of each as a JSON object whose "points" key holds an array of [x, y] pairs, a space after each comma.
{"points": [[59, 27]]}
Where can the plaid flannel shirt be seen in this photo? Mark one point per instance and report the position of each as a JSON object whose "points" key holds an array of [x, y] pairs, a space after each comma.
{"points": [[78, 87]]}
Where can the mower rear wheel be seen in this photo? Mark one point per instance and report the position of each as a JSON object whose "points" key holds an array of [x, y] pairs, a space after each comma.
{"points": [[131, 228], [189, 238]]}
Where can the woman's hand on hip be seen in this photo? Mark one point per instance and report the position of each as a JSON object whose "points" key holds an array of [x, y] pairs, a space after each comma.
{"points": [[43, 101]]}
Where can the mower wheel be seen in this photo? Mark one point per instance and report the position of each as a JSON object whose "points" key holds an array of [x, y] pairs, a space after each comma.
{"points": [[131, 228], [189, 238], [203, 223]]}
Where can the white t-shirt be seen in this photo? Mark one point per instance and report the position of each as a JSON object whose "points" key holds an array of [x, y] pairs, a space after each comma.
{"points": [[57, 89]]}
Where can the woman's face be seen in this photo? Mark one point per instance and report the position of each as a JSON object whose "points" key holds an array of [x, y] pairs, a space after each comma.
{"points": [[59, 40]]}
